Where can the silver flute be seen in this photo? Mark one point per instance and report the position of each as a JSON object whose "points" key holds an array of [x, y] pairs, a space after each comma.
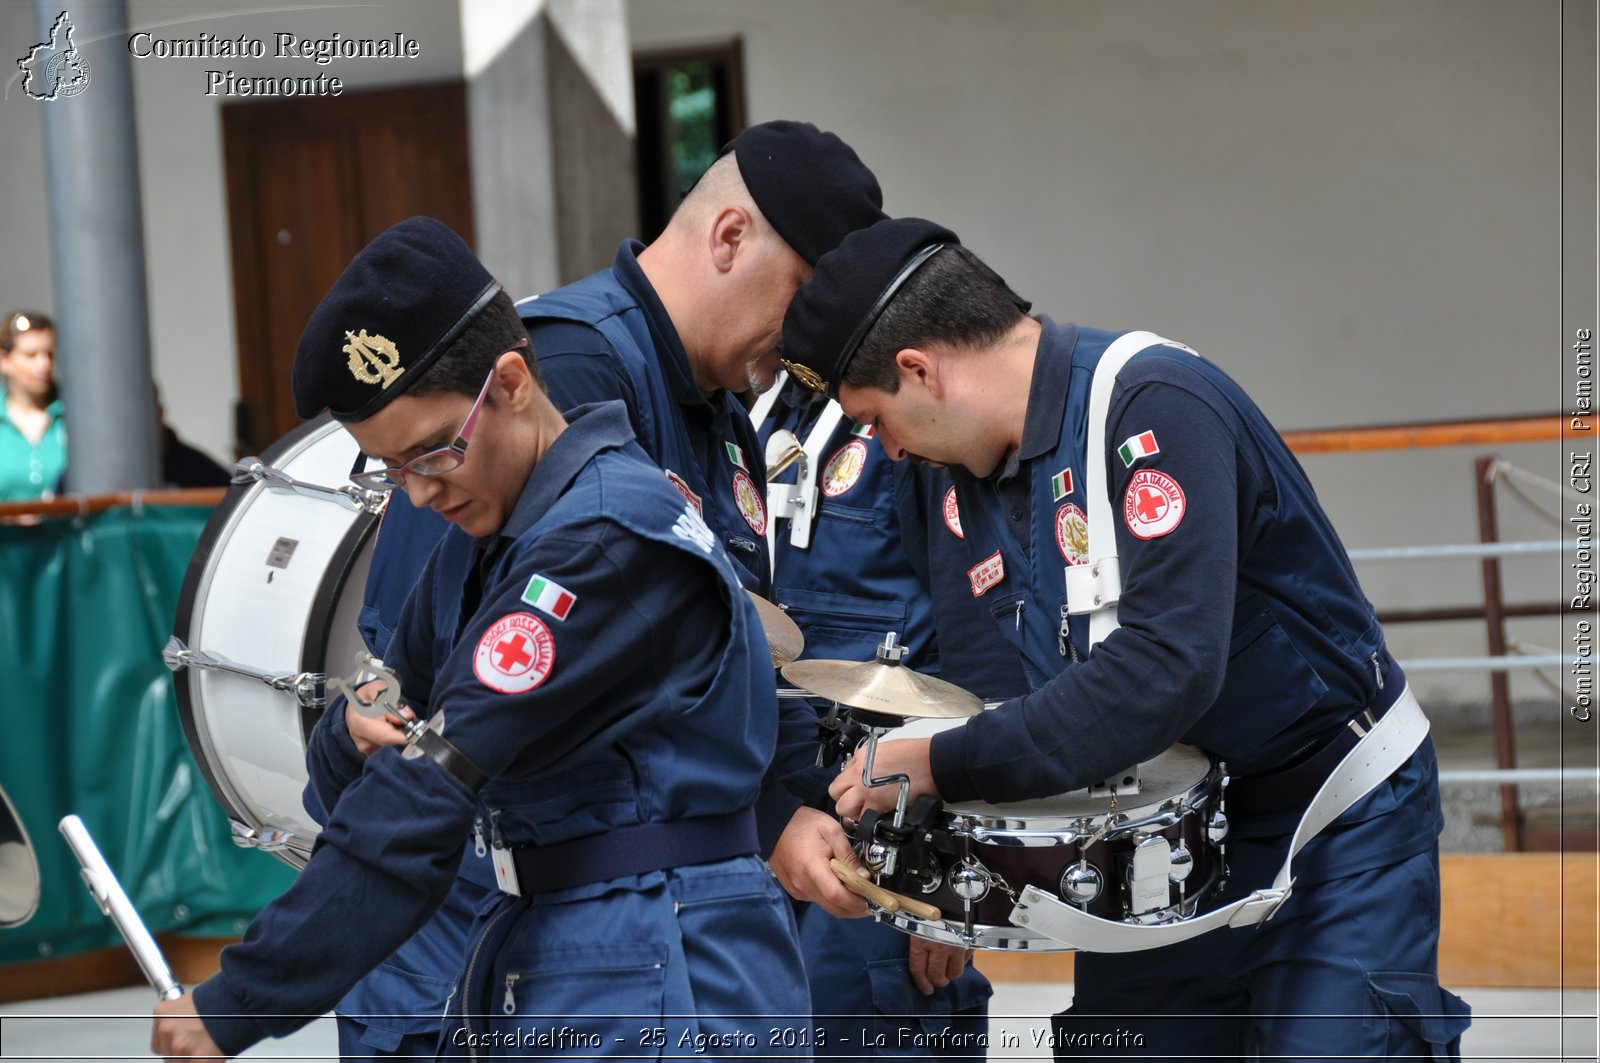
{"points": [[108, 894]]}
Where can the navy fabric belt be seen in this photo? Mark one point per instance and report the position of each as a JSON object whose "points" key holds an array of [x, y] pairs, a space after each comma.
{"points": [[1296, 785], [635, 850]]}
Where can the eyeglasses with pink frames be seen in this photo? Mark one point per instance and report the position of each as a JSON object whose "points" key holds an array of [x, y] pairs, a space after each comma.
{"points": [[434, 462]]}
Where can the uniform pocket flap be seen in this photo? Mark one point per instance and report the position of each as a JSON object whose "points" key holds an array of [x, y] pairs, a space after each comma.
{"points": [[1430, 1011]]}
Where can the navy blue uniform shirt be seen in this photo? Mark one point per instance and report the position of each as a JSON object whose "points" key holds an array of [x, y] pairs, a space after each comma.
{"points": [[1243, 628], [647, 635]]}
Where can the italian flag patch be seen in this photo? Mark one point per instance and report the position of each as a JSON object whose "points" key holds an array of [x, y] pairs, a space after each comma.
{"points": [[1061, 484], [1140, 446], [862, 431], [550, 597], [736, 456]]}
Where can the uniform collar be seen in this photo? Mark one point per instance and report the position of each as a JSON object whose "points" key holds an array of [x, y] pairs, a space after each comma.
{"points": [[669, 346], [1047, 394], [591, 428]]}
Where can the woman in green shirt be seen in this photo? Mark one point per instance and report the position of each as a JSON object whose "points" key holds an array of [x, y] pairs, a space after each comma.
{"points": [[33, 437]]}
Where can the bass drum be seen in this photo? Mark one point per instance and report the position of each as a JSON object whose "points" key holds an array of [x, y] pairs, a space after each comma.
{"points": [[268, 611]]}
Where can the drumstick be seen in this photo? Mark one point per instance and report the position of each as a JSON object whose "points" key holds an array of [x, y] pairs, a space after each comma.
{"points": [[885, 899], [108, 894]]}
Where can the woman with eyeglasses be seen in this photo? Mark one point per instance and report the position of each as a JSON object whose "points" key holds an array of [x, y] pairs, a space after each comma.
{"points": [[33, 437]]}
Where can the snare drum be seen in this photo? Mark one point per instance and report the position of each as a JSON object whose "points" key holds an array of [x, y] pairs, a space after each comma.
{"points": [[268, 610], [1145, 857]]}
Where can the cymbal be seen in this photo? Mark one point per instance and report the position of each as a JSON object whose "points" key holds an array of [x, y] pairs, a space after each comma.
{"points": [[19, 871], [883, 687], [784, 640]]}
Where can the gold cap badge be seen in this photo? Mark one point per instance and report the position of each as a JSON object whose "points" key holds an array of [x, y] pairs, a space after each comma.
{"points": [[806, 375], [373, 359]]}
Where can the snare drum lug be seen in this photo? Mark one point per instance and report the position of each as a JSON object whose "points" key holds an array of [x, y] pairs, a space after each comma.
{"points": [[244, 837], [1082, 884], [1217, 826], [1182, 864], [969, 883]]}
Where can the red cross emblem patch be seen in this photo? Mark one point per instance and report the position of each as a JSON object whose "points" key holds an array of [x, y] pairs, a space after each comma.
{"points": [[1153, 505], [952, 514], [515, 655]]}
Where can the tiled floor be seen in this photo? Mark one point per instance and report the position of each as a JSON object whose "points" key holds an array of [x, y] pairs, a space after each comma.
{"points": [[1509, 1024]]}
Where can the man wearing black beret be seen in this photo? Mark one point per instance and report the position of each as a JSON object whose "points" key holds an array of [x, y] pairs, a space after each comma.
{"points": [[1150, 546], [596, 685], [674, 330]]}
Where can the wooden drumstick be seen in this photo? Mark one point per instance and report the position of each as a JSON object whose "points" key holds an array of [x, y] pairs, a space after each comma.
{"points": [[885, 899]]}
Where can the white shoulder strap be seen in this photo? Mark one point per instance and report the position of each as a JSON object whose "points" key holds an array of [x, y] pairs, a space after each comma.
{"points": [[762, 409], [1095, 591], [1094, 587], [1377, 756]]}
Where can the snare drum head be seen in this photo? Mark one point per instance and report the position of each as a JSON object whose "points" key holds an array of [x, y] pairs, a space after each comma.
{"points": [[275, 583], [1174, 772]]}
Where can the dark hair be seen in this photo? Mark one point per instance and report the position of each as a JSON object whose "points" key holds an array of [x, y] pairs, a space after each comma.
{"points": [[20, 321], [951, 298], [461, 369]]}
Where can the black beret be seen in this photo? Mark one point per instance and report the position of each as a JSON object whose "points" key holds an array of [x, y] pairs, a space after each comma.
{"points": [[810, 185], [394, 310], [833, 311]]}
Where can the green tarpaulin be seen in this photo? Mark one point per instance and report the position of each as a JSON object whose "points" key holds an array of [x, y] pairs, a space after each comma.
{"points": [[90, 725]]}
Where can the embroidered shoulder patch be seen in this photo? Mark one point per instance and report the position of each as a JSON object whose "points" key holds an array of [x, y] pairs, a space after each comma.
{"points": [[1135, 447], [515, 655], [986, 573], [952, 514], [1061, 485], [549, 596], [692, 528], [683, 489], [1153, 505], [844, 468]]}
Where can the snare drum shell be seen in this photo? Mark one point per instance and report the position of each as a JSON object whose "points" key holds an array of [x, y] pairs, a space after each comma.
{"points": [[1036, 842], [275, 582]]}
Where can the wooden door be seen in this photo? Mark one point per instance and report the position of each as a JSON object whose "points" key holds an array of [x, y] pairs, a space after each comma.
{"points": [[310, 182]]}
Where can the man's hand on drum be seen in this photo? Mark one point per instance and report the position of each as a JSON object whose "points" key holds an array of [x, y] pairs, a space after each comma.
{"points": [[372, 733], [905, 756], [178, 1032], [800, 862], [934, 965]]}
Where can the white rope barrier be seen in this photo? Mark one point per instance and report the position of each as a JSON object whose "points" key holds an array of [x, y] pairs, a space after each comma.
{"points": [[1502, 469], [1491, 664], [1409, 553], [1515, 775]]}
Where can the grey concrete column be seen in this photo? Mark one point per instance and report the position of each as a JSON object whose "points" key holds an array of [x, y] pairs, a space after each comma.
{"points": [[550, 102], [97, 235]]}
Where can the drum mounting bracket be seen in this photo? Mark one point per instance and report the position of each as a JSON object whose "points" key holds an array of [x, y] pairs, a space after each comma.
{"points": [[308, 688]]}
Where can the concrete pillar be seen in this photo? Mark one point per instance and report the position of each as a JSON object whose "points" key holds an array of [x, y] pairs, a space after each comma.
{"points": [[550, 102], [97, 236]]}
